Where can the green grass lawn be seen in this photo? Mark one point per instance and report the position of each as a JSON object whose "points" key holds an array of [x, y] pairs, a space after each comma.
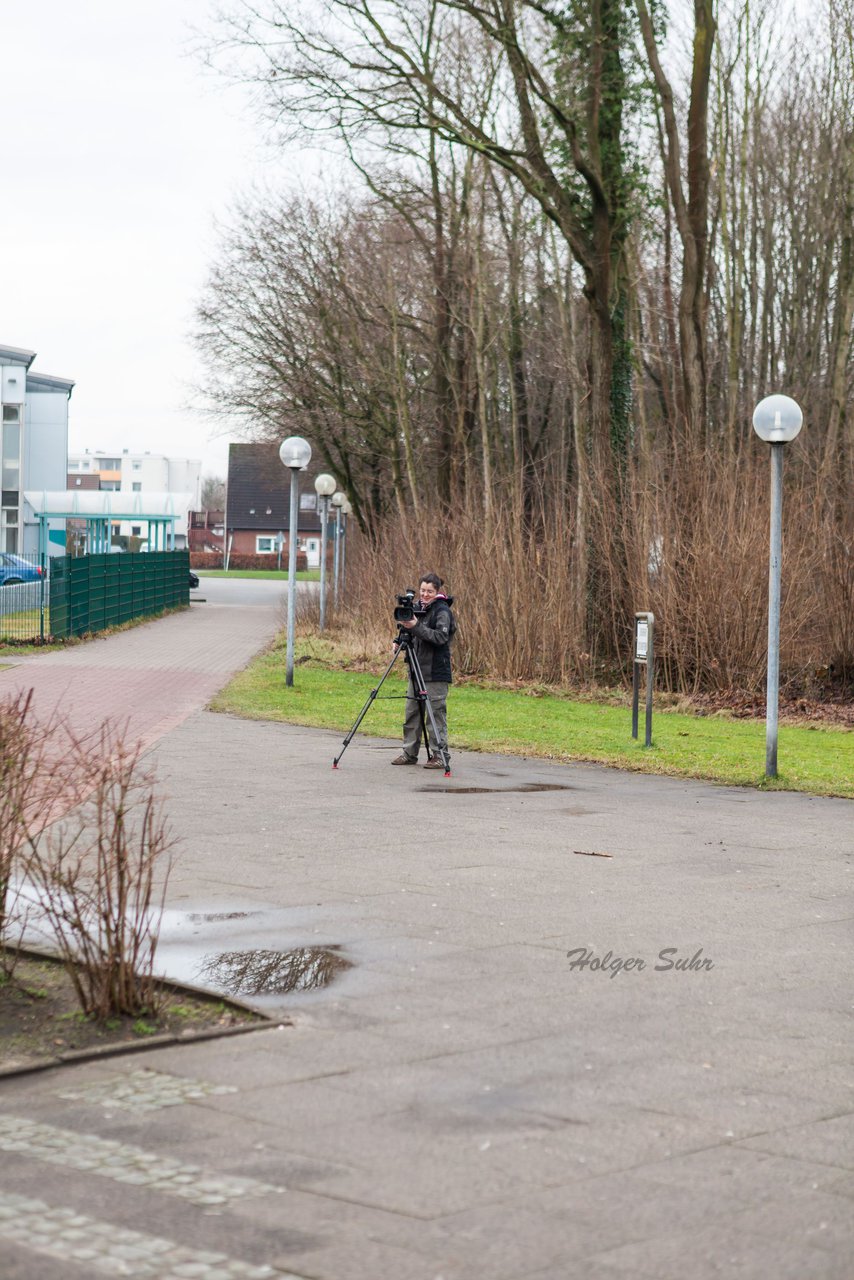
{"points": [[519, 722], [23, 625], [305, 575]]}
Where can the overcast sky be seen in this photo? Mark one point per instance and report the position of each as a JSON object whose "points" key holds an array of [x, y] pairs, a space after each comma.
{"points": [[118, 152]]}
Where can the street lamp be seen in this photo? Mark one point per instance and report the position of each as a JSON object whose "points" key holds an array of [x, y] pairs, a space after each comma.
{"points": [[776, 419], [324, 487], [296, 454], [338, 500], [346, 511]]}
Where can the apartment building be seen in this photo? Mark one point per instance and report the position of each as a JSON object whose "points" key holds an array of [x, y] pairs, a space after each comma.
{"points": [[33, 447], [142, 473]]}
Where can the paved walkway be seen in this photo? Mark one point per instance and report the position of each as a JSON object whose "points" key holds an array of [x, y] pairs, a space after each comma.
{"points": [[464, 1102], [154, 675]]}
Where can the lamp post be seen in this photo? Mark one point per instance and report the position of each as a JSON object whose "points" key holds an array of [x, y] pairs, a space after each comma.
{"points": [[776, 419], [296, 454], [346, 511], [324, 487], [338, 500]]}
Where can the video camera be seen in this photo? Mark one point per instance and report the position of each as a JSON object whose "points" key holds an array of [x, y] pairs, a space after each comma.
{"points": [[408, 607]]}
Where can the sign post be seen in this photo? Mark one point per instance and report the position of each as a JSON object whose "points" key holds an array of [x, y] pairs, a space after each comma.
{"points": [[643, 656]]}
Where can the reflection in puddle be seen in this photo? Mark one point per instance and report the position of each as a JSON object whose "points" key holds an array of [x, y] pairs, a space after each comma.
{"points": [[254, 973]]}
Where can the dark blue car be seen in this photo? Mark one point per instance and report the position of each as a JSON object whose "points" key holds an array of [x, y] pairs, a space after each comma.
{"points": [[16, 569]]}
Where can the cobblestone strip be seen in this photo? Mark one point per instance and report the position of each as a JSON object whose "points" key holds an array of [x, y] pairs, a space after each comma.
{"points": [[144, 1090], [110, 1250], [122, 1163]]}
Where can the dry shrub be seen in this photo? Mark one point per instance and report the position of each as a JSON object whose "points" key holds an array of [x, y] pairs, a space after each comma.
{"points": [[19, 771], [35, 787], [509, 569], [688, 542], [834, 589], [699, 545], [84, 837]]}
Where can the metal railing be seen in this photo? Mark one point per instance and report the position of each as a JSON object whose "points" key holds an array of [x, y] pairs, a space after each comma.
{"points": [[92, 593], [80, 594], [24, 596]]}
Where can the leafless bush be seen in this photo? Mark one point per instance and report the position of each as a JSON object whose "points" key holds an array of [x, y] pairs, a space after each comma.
{"points": [[33, 786], [511, 569], [697, 540], [834, 584], [83, 834], [689, 542]]}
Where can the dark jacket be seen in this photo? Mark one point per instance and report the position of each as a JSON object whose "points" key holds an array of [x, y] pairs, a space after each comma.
{"points": [[431, 639]]}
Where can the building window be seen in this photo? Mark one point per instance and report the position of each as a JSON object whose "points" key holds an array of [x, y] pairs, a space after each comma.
{"points": [[11, 455], [11, 413], [136, 487], [110, 464], [265, 546], [136, 530]]}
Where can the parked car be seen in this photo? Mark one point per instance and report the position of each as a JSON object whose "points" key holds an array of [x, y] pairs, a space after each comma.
{"points": [[194, 579], [16, 569]]}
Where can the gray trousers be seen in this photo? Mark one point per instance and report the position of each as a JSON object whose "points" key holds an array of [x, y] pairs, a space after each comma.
{"points": [[437, 692]]}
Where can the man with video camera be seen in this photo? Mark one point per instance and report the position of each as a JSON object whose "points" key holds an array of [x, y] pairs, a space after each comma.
{"points": [[432, 628]]}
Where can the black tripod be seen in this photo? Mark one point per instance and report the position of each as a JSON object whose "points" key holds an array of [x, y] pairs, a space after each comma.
{"points": [[404, 646]]}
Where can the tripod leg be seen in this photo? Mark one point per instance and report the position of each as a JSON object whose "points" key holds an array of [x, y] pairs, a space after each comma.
{"points": [[421, 698], [360, 717], [418, 681]]}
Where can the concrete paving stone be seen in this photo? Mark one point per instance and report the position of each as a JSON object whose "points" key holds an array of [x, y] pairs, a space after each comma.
{"points": [[624, 1207], [743, 1113], [443, 1176], [829, 1142], [318, 1220], [628, 1141], [721, 1252], [301, 1105], [369, 1261], [514, 1238], [577, 1269], [447, 1031], [290, 1055], [485, 1242], [735, 1165], [843, 1186], [813, 1218]]}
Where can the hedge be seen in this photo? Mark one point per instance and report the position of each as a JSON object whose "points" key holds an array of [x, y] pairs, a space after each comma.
{"points": [[213, 560]]}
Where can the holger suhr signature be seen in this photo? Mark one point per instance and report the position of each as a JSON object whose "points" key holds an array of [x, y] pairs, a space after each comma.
{"points": [[668, 959]]}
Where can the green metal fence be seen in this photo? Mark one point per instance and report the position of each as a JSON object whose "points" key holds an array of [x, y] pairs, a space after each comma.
{"points": [[23, 595], [91, 593]]}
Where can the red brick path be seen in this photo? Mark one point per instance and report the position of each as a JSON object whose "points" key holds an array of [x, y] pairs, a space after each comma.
{"points": [[152, 676]]}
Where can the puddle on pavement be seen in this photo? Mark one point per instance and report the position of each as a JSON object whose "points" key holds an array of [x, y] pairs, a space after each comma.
{"points": [[229, 953], [258, 973], [483, 791], [241, 953]]}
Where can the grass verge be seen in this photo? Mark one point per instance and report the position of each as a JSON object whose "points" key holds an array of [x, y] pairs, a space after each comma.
{"points": [[280, 575], [327, 693]]}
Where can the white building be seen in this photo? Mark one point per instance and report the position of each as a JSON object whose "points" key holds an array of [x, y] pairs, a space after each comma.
{"points": [[33, 448], [142, 473]]}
